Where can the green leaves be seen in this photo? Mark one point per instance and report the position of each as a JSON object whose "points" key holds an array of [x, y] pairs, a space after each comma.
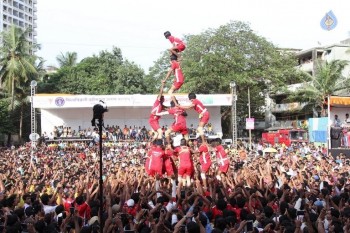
{"points": [[328, 80], [16, 60], [102, 74], [232, 52]]}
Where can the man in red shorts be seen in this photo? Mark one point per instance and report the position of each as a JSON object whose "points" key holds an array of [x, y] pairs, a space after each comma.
{"points": [[155, 115], [178, 44], [185, 169], [169, 166], [221, 158], [155, 160], [204, 160], [204, 115], [179, 124], [179, 77]]}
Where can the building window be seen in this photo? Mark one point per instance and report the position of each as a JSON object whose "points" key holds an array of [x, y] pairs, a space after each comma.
{"points": [[15, 13]]}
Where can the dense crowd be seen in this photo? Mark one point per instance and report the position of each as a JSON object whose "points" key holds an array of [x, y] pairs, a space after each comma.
{"points": [[114, 133], [55, 189]]}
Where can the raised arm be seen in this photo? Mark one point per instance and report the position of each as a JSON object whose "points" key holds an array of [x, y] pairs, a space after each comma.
{"points": [[161, 90]]}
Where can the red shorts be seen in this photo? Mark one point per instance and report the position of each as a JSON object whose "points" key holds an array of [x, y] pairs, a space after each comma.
{"points": [[168, 167], [181, 128], [177, 85], [205, 118], [185, 171], [154, 124], [205, 167], [154, 172], [180, 47], [224, 168]]}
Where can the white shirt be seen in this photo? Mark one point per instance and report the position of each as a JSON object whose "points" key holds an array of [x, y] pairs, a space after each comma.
{"points": [[49, 209]]}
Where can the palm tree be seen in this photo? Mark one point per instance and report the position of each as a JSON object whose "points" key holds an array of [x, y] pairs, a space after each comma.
{"points": [[16, 60], [328, 80], [67, 60]]}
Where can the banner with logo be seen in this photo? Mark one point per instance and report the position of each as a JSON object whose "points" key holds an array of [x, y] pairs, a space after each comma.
{"points": [[249, 123]]}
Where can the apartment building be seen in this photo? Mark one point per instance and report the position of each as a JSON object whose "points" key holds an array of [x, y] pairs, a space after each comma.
{"points": [[22, 13], [286, 114]]}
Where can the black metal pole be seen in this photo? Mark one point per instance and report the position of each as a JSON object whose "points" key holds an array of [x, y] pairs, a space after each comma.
{"points": [[100, 124]]}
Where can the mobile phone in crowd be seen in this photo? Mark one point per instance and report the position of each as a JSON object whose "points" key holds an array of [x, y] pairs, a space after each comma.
{"points": [[301, 212], [71, 209], [249, 226]]}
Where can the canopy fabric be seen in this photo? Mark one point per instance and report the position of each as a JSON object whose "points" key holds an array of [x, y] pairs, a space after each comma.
{"points": [[339, 100]]}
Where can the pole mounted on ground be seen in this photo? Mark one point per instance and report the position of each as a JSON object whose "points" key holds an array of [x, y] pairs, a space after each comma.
{"points": [[234, 113], [98, 112]]}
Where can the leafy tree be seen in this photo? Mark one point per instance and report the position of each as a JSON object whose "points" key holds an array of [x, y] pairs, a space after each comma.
{"points": [[67, 60], [105, 73], [5, 118], [16, 60], [232, 52], [158, 72], [328, 80]]}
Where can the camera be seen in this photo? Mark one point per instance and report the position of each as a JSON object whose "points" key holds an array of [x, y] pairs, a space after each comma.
{"points": [[98, 111]]}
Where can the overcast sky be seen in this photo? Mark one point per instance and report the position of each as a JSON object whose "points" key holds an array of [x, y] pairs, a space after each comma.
{"points": [[137, 26]]}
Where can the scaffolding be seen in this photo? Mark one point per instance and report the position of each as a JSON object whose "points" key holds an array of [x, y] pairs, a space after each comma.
{"points": [[33, 135], [234, 114]]}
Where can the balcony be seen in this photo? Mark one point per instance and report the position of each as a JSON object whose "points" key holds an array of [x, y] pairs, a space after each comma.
{"points": [[35, 25], [290, 107], [35, 9]]}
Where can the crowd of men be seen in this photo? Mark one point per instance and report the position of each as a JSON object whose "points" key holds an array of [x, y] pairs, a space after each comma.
{"points": [[298, 189], [168, 186]]}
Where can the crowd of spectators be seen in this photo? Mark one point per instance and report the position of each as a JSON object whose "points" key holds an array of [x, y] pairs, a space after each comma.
{"points": [[300, 188], [114, 133]]}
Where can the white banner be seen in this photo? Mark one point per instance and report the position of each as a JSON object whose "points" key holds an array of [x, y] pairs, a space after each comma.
{"points": [[249, 123], [87, 101]]}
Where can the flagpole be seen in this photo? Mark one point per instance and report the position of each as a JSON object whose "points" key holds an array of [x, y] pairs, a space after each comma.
{"points": [[329, 124]]}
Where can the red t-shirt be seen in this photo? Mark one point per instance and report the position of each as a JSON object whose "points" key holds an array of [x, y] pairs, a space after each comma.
{"points": [[204, 156], [184, 154], [177, 113], [157, 108], [221, 156], [84, 210], [198, 106], [156, 156], [175, 40]]}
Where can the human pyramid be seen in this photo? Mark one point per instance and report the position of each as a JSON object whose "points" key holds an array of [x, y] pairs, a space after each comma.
{"points": [[160, 160]]}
